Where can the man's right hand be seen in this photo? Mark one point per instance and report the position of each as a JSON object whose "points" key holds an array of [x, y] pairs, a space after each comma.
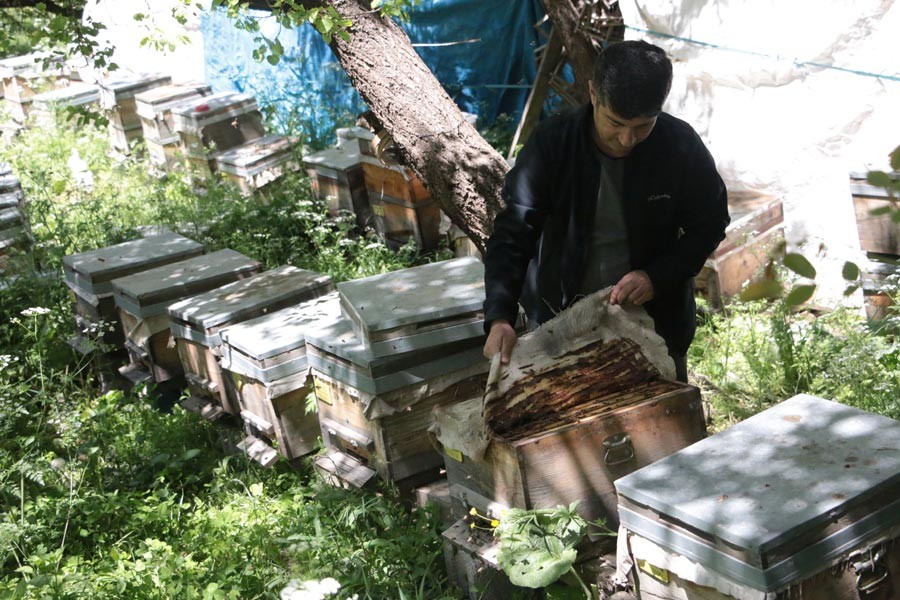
{"points": [[501, 338]]}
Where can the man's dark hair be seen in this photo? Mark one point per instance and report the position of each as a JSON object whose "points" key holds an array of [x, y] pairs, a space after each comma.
{"points": [[633, 78]]}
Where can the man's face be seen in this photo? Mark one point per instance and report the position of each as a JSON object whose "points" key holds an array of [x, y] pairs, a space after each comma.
{"points": [[616, 136]]}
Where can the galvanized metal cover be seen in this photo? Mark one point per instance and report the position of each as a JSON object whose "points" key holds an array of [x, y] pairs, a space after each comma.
{"points": [[11, 199], [148, 102], [249, 296], [9, 183], [252, 152], [210, 108], [281, 331], [10, 217], [96, 268], [339, 159], [174, 281], [419, 294], [124, 86], [74, 94], [776, 476]]}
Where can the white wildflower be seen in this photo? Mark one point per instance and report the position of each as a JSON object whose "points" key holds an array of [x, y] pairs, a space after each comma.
{"points": [[312, 589], [35, 311]]}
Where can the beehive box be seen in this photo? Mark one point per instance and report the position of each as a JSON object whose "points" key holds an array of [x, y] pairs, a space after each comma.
{"points": [[142, 299], [196, 323], [585, 398], [9, 184], [878, 232], [258, 162], [799, 501], [117, 99], [154, 109], [74, 94], [22, 77], [357, 140], [14, 234], [402, 207], [755, 234], [374, 412], [416, 308], [881, 285], [337, 178], [216, 123], [89, 276], [267, 369]]}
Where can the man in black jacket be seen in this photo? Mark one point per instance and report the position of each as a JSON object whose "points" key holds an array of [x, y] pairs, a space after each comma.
{"points": [[615, 193]]}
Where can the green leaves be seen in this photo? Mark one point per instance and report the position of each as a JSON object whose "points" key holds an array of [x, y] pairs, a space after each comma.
{"points": [[800, 265], [538, 546], [850, 272]]}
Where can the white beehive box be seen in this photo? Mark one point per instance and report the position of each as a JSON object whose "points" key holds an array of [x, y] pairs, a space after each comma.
{"points": [[256, 163]]}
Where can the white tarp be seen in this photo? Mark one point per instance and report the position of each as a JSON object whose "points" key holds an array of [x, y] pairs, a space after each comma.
{"points": [[183, 61], [790, 97]]}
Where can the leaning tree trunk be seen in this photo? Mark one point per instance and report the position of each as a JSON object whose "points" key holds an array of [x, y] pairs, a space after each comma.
{"points": [[580, 52], [460, 169]]}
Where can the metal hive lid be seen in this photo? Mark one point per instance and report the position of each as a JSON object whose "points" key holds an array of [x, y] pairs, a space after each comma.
{"points": [[254, 151], [774, 477], [74, 94], [100, 266], [426, 293], [248, 296], [127, 85], [222, 102], [170, 94], [280, 331], [338, 158], [174, 281]]}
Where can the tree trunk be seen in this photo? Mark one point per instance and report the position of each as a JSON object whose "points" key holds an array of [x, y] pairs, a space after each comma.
{"points": [[460, 169]]}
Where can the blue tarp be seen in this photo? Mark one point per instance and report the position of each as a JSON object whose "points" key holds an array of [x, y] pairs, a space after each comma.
{"points": [[482, 52]]}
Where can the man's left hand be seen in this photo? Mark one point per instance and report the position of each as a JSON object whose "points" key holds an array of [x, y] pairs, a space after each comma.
{"points": [[635, 287]]}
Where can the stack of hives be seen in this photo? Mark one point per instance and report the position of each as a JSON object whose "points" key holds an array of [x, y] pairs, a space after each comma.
{"points": [[23, 76], [154, 109], [72, 94], [585, 399], [15, 235], [117, 99], [403, 343], [879, 237], [386, 197]]}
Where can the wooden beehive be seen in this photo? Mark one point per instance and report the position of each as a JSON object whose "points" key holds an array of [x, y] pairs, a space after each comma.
{"points": [[89, 276], [355, 140], [258, 162], [799, 501], [374, 412], [215, 123], [196, 321], [117, 99], [337, 179], [878, 232], [73, 94], [267, 369], [755, 234], [142, 299], [22, 77], [14, 234], [584, 400], [416, 308], [402, 208], [154, 109], [881, 285]]}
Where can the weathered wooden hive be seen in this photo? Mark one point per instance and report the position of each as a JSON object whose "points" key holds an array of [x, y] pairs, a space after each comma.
{"points": [[142, 300], [880, 284], [117, 101], [337, 178], [22, 77], [73, 94], [403, 209], [266, 367], [89, 276], [799, 501], [586, 398], [14, 234], [154, 109], [256, 163], [216, 123], [406, 342], [196, 323], [878, 232], [755, 234]]}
